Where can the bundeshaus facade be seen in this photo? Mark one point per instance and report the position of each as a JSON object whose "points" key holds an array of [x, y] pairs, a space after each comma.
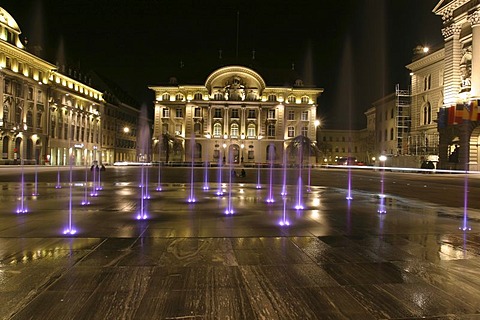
{"points": [[234, 117]]}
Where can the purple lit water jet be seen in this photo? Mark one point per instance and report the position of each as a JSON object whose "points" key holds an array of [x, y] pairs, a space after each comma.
{"points": [[284, 221], [191, 198], [85, 194], [58, 185], [259, 185], [229, 209], [465, 226], [22, 207], [349, 185], [70, 228], [271, 157], [220, 169], [284, 182]]}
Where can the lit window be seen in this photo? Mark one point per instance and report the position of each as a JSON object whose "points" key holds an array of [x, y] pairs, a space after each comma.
{"points": [[271, 114], [165, 113], [291, 132], [178, 129], [272, 98], [234, 130], [217, 129], [304, 115], [251, 132]]}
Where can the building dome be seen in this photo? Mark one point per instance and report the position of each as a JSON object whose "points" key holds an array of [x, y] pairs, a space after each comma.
{"points": [[7, 20]]}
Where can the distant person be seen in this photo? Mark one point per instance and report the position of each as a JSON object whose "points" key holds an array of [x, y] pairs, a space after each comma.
{"points": [[243, 174], [102, 168], [234, 174]]}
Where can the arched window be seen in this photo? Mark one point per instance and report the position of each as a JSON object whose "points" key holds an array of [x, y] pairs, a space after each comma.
{"points": [[166, 97], [218, 96], [30, 118], [234, 130], [271, 152], [5, 114], [217, 129], [251, 132], [197, 127], [272, 98], [179, 97], [291, 99], [18, 115], [427, 114], [305, 100], [198, 96], [197, 152]]}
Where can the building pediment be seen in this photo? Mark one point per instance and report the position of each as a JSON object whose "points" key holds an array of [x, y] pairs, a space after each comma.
{"points": [[235, 83]]}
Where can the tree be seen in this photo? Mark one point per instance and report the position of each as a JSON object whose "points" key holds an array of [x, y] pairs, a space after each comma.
{"points": [[168, 143], [302, 146]]}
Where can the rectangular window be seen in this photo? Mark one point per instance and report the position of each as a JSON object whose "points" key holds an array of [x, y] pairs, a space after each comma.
{"points": [[216, 154], [251, 114], [217, 113], [304, 131], [250, 155], [235, 113], [291, 115], [271, 130], [179, 113], [291, 132], [271, 114], [251, 131], [178, 129], [196, 112], [165, 113], [7, 87], [304, 115]]}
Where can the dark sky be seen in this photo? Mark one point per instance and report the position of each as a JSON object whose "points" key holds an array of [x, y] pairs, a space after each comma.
{"points": [[355, 49]]}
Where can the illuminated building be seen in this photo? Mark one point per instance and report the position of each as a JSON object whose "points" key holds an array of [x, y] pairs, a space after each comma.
{"points": [[458, 115], [48, 113], [233, 117]]}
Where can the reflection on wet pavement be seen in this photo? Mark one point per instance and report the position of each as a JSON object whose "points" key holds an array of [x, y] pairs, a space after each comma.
{"points": [[336, 259]]}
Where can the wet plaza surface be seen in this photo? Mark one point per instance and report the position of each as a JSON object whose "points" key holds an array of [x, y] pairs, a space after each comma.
{"points": [[368, 258]]}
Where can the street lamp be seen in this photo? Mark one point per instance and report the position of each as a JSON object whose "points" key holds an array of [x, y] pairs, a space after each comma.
{"points": [[126, 129]]}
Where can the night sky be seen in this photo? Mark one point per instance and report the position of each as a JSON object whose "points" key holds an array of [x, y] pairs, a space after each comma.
{"points": [[355, 49]]}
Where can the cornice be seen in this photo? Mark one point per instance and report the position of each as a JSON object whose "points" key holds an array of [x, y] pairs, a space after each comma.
{"points": [[25, 56], [430, 59], [446, 10]]}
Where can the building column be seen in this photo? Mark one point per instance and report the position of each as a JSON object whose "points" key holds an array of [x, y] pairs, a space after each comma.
{"points": [[475, 80], [453, 56]]}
